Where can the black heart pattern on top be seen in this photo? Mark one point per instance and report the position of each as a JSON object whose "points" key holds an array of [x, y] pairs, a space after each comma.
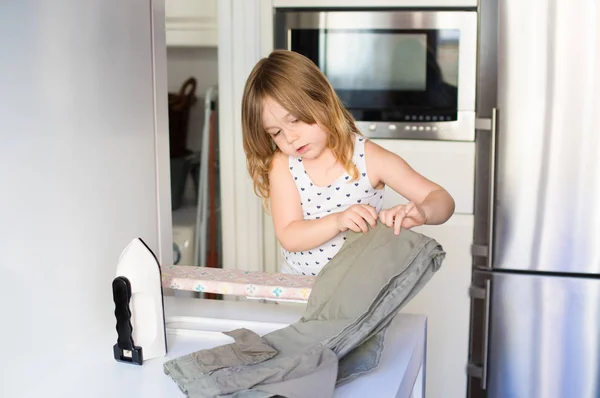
{"points": [[318, 202]]}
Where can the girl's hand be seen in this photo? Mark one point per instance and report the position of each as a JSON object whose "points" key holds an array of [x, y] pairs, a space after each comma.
{"points": [[403, 216], [356, 218]]}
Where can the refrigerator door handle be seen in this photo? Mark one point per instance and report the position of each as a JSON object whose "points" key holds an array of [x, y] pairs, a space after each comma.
{"points": [[486, 334], [472, 369], [490, 125], [492, 202]]}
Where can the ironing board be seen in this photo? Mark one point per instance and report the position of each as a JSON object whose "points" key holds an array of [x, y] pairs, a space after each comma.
{"points": [[191, 325], [251, 284]]}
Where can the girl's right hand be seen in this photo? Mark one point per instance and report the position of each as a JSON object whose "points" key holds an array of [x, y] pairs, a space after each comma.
{"points": [[357, 218]]}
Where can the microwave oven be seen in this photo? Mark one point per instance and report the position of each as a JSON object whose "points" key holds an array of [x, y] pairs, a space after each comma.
{"points": [[402, 74]]}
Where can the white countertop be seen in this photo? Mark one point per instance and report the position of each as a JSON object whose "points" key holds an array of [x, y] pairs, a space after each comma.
{"points": [[99, 375]]}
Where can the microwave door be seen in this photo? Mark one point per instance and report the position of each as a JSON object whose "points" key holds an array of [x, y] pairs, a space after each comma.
{"points": [[405, 81]]}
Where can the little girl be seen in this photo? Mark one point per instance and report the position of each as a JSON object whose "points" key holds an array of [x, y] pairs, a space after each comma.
{"points": [[319, 174]]}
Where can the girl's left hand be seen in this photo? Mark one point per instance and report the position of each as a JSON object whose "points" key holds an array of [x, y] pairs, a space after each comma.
{"points": [[403, 216]]}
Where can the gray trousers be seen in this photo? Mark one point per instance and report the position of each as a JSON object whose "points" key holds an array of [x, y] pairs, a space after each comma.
{"points": [[341, 333]]}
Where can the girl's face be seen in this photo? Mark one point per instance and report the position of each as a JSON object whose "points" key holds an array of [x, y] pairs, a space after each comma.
{"points": [[293, 137]]}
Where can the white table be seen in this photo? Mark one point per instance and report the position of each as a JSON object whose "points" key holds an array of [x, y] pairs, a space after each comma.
{"points": [[198, 324]]}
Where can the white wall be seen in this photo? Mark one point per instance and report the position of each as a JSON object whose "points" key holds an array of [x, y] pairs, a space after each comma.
{"points": [[77, 176]]}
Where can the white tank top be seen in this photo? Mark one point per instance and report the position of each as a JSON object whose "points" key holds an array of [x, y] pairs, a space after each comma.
{"points": [[319, 202]]}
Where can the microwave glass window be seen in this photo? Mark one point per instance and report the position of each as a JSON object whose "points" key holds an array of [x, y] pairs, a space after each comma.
{"points": [[447, 55], [353, 60], [388, 74]]}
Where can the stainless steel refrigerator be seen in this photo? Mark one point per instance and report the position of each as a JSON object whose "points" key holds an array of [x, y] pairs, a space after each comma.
{"points": [[535, 317]]}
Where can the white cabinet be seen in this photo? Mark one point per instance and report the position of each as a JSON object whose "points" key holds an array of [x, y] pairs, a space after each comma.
{"points": [[448, 163], [445, 299], [191, 23], [446, 303]]}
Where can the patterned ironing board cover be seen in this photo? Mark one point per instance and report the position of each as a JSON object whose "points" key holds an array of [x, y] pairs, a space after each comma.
{"points": [[253, 284]]}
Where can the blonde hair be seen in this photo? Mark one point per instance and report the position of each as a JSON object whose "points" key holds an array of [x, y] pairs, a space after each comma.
{"points": [[299, 86]]}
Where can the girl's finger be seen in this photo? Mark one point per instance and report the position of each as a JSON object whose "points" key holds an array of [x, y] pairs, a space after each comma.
{"points": [[352, 225], [360, 222], [419, 215], [408, 223], [409, 207], [383, 216], [413, 219], [371, 210], [367, 216], [398, 222], [413, 213], [389, 219]]}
